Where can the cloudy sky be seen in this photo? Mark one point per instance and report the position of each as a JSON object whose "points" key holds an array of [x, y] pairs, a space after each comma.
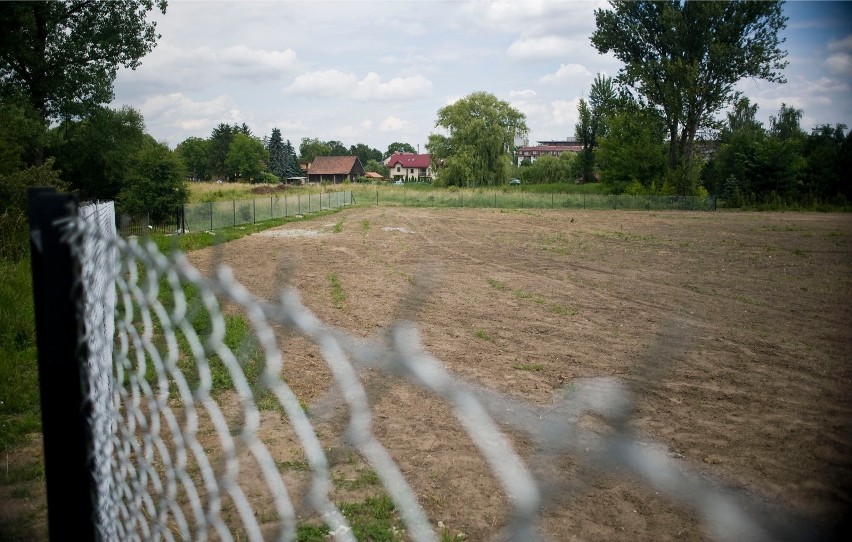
{"points": [[377, 72]]}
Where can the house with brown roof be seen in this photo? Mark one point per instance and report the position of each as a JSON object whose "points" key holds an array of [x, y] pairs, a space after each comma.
{"points": [[335, 169], [410, 167], [546, 148]]}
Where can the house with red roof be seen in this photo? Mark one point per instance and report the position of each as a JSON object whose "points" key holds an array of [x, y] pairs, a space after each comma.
{"points": [[410, 167], [335, 169]]}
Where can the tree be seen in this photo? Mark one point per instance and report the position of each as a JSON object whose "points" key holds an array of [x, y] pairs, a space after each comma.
{"points": [[632, 155], [685, 57], [278, 158], [377, 167], [482, 133], [155, 183], [336, 148], [396, 147], [310, 148], [586, 135], [245, 158], [828, 152], [93, 154], [365, 153], [549, 169], [64, 56], [195, 153], [220, 143], [292, 169], [593, 117]]}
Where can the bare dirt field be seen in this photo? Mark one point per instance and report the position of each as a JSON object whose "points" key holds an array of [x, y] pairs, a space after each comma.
{"points": [[755, 396]]}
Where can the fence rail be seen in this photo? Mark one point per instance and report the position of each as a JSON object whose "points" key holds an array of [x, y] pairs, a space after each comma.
{"points": [[224, 214], [500, 199]]}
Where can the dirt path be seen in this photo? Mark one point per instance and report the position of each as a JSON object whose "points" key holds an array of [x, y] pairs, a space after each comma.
{"points": [[756, 392]]}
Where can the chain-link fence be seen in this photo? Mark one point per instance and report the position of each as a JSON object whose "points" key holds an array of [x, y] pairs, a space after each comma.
{"points": [[222, 214]]}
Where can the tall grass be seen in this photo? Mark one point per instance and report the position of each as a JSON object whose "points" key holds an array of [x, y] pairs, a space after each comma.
{"points": [[20, 412]]}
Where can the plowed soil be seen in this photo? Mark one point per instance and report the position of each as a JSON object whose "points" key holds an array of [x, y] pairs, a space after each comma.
{"points": [[754, 394]]}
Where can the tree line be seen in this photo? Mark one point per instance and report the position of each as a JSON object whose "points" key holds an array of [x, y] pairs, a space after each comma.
{"points": [[658, 126]]}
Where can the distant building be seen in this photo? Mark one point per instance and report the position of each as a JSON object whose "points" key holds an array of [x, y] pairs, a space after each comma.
{"points": [[335, 169], [410, 167], [373, 176], [547, 148]]}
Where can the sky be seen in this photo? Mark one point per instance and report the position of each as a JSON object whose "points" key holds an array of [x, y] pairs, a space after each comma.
{"points": [[377, 72]]}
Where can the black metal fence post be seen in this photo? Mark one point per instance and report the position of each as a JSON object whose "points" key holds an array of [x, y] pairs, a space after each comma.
{"points": [[65, 408]]}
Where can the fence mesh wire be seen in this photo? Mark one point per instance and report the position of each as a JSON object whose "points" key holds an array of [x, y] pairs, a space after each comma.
{"points": [[171, 451]]}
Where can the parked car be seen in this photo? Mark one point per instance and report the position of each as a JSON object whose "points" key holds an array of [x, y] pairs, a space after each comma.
{"points": [[398, 181], [515, 181]]}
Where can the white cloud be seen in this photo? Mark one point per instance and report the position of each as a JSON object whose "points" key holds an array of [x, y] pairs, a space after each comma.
{"points": [[392, 124], [526, 93], [201, 66], [321, 84], [366, 124], [532, 17], [242, 60], [566, 72], [545, 47], [371, 88], [334, 83], [841, 45], [183, 116], [840, 63]]}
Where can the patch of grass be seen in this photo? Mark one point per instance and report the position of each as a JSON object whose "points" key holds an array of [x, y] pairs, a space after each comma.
{"points": [[798, 252], [365, 226], [562, 310], [306, 532], [300, 465], [497, 285], [25, 473], [374, 519], [481, 334], [521, 294], [623, 236], [338, 227], [534, 367], [338, 296], [365, 478], [20, 412]]}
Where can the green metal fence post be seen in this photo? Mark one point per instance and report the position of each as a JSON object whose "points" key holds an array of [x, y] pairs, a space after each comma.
{"points": [[211, 216]]}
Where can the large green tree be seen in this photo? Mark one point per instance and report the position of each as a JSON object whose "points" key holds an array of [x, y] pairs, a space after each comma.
{"points": [[593, 117], [220, 143], [365, 153], [482, 131], [93, 154], [632, 154], [195, 153], [63, 56], [686, 57], [278, 159], [310, 148], [155, 183], [396, 147], [246, 157]]}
